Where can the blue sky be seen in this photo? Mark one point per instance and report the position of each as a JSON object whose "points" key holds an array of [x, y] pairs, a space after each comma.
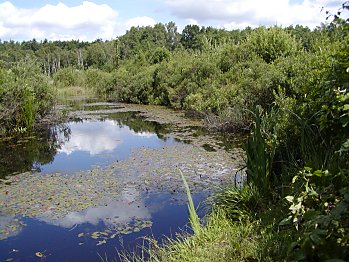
{"points": [[88, 20]]}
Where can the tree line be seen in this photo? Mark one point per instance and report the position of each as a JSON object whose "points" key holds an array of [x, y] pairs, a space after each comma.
{"points": [[213, 71]]}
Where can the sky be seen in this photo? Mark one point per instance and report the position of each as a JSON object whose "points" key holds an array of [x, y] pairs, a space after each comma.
{"points": [[89, 20]]}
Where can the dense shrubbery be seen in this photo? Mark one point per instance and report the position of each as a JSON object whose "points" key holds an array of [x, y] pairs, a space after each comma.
{"points": [[213, 71]]}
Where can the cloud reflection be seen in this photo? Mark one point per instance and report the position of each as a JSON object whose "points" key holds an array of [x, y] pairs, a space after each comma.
{"points": [[125, 209], [93, 137], [10, 226]]}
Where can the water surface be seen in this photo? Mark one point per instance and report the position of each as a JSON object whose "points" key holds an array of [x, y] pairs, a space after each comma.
{"points": [[101, 183]]}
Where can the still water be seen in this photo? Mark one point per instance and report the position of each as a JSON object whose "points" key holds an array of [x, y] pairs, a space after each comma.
{"points": [[100, 184]]}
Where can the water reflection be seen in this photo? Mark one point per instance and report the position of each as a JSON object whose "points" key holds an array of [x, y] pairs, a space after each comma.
{"points": [[94, 138], [21, 154], [137, 124], [95, 142], [102, 148], [97, 137], [10, 226], [127, 207]]}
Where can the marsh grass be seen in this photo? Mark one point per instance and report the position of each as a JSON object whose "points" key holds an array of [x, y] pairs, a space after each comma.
{"points": [[73, 91], [260, 155]]}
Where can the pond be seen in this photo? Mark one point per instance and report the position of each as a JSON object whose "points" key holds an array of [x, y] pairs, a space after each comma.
{"points": [[106, 180]]}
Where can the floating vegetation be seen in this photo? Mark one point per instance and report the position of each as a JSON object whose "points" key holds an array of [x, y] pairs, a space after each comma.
{"points": [[56, 195], [39, 254], [158, 169], [174, 124], [10, 226], [111, 232], [159, 114]]}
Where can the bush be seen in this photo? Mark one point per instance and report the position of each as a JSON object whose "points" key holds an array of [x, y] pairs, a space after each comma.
{"points": [[25, 97], [319, 210], [69, 77], [271, 43], [102, 83]]}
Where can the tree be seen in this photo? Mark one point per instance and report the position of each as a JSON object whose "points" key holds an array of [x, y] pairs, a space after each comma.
{"points": [[172, 37], [190, 37]]}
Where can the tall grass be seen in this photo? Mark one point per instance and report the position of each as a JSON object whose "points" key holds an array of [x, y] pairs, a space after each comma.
{"points": [[73, 91], [260, 156]]}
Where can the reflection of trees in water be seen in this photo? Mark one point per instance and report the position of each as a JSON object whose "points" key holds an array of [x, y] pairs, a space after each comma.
{"points": [[20, 154], [138, 124]]}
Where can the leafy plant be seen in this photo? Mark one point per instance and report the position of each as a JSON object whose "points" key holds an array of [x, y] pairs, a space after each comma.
{"points": [[320, 214]]}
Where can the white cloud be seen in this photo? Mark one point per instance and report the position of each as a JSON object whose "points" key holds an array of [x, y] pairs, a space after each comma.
{"points": [[87, 21], [140, 21], [242, 13], [143, 134]]}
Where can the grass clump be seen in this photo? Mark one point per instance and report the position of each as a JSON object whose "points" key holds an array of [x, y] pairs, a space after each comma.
{"points": [[220, 239]]}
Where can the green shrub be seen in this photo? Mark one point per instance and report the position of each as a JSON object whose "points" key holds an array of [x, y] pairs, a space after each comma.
{"points": [[319, 210], [68, 77], [25, 97], [271, 43], [102, 83]]}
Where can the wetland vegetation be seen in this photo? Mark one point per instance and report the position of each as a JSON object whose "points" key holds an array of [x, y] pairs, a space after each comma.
{"points": [[285, 88]]}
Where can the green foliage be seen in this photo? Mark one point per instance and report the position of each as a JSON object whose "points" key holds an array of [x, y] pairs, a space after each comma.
{"points": [[25, 97], [235, 54], [193, 217], [271, 43], [260, 156], [160, 55], [100, 82], [291, 83], [135, 86], [239, 204], [320, 213], [205, 69], [68, 77], [190, 37]]}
